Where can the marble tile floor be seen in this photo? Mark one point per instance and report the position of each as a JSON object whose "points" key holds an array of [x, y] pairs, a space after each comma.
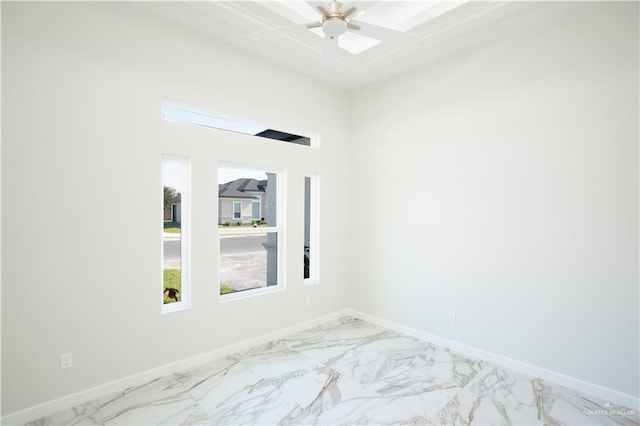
{"points": [[345, 372]]}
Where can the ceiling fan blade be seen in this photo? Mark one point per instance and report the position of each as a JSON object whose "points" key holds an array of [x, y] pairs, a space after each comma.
{"points": [[319, 6], [348, 12], [329, 51], [353, 26], [382, 33], [360, 6], [291, 29], [324, 12]]}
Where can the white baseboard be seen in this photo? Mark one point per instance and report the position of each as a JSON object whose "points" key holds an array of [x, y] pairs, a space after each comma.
{"points": [[55, 405], [607, 394]]}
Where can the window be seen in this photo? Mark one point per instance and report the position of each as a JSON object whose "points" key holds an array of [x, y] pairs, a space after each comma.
{"points": [[175, 273], [237, 209], [311, 275], [205, 119], [250, 244]]}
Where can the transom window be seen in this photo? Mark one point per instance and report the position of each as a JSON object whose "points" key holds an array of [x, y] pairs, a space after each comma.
{"points": [[219, 122]]}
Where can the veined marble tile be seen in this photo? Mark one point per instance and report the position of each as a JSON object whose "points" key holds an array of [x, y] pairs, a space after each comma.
{"points": [[160, 401], [291, 395], [468, 408], [267, 351], [337, 389], [394, 375], [207, 374], [450, 366], [544, 402], [560, 405], [330, 348], [349, 327], [84, 414], [274, 364], [307, 388], [408, 409], [352, 411], [515, 391], [212, 388], [393, 366], [198, 417], [333, 336], [257, 410], [388, 342], [369, 408]]}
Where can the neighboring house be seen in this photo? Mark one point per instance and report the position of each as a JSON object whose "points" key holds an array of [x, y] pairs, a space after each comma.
{"points": [[242, 200], [172, 214], [176, 212]]}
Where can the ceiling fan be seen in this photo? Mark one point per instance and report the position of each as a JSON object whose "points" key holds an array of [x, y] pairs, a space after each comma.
{"points": [[335, 22]]}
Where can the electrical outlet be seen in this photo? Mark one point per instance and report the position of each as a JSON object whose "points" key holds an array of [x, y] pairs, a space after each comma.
{"points": [[452, 316], [307, 300], [66, 361]]}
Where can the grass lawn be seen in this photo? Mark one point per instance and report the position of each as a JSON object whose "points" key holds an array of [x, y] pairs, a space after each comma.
{"points": [[172, 280], [172, 227], [225, 289], [240, 226]]}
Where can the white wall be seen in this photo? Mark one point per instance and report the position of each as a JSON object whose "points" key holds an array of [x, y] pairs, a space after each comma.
{"points": [[83, 86], [524, 155]]}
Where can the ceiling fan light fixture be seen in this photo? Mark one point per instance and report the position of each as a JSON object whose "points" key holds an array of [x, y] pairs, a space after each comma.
{"points": [[334, 27]]}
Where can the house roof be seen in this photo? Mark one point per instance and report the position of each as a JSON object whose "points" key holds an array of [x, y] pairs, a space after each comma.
{"points": [[242, 188]]}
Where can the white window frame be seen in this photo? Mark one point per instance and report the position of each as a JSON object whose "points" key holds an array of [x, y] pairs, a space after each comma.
{"points": [[279, 229], [314, 227], [185, 237], [235, 203]]}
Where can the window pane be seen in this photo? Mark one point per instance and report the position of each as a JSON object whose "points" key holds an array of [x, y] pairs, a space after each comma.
{"points": [[174, 186], [307, 227], [311, 229], [247, 199], [237, 210], [248, 261], [246, 196]]}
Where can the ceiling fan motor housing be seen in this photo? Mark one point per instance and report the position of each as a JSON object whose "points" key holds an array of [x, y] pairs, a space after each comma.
{"points": [[334, 26]]}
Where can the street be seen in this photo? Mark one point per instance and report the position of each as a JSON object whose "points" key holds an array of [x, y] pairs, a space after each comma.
{"points": [[228, 245], [242, 244], [243, 259]]}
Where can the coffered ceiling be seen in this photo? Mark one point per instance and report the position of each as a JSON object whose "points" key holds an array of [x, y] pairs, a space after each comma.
{"points": [[440, 28]]}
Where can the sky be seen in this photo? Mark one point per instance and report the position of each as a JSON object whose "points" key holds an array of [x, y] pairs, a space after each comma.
{"points": [[228, 174], [173, 174]]}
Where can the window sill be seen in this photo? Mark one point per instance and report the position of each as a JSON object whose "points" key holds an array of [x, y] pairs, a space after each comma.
{"points": [[223, 298], [174, 307]]}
